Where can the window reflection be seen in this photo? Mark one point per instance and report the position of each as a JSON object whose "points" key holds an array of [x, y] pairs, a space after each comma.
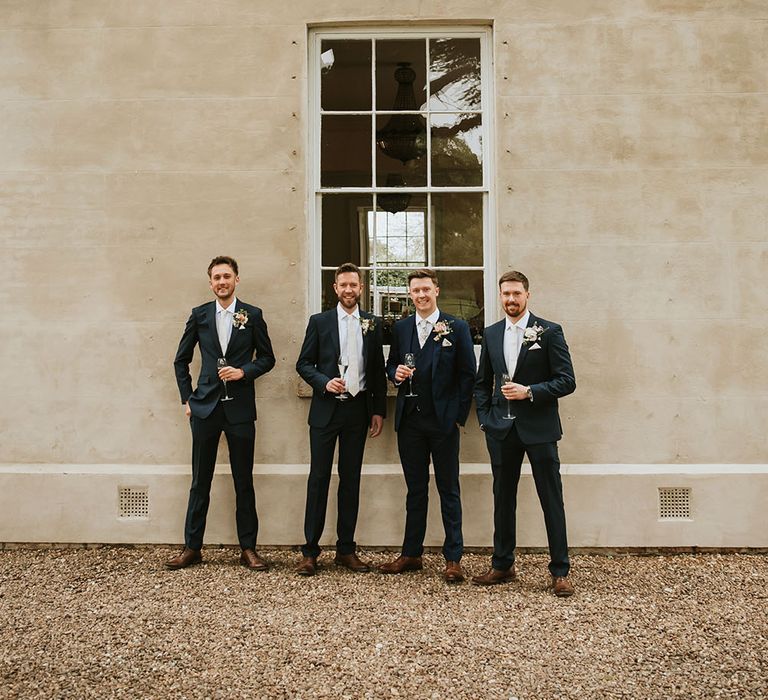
{"points": [[457, 151], [454, 74]]}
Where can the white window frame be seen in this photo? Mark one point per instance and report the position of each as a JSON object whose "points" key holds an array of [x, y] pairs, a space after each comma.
{"points": [[487, 107]]}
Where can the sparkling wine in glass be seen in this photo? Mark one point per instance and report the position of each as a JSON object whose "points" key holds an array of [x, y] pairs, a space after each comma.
{"points": [[410, 362], [506, 379], [343, 364], [222, 362]]}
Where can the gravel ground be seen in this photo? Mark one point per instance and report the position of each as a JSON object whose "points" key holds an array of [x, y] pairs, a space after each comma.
{"points": [[112, 623]]}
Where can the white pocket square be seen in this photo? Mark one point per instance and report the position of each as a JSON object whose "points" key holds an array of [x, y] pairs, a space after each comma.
{"points": [[447, 343], [535, 346]]}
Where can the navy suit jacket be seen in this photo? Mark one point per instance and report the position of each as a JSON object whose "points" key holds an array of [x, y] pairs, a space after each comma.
{"points": [[249, 349], [318, 364], [453, 369], [548, 370]]}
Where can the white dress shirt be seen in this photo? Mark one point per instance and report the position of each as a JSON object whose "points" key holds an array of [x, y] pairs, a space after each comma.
{"points": [[341, 316], [513, 341], [224, 319]]}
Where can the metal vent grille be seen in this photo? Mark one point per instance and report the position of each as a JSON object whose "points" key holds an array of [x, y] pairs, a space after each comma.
{"points": [[674, 503], [134, 502]]}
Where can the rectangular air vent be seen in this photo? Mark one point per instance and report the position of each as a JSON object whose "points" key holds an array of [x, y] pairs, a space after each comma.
{"points": [[674, 503], [134, 502]]}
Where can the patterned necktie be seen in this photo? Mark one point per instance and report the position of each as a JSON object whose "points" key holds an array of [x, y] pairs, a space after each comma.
{"points": [[424, 331], [353, 369]]}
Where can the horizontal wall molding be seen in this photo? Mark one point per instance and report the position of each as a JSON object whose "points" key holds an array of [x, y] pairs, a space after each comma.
{"points": [[612, 506]]}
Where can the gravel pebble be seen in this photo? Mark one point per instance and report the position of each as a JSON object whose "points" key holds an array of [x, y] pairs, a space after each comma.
{"points": [[113, 623]]}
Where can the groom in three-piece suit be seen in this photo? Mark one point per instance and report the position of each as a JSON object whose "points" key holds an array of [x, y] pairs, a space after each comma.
{"points": [[343, 409], [223, 328], [533, 353], [427, 425]]}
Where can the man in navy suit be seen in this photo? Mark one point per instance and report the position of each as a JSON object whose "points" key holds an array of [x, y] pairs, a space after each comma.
{"points": [[427, 424], [344, 409], [533, 352], [224, 400]]}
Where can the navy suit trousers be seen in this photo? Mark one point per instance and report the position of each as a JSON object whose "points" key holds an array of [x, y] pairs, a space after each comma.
{"points": [[349, 426], [545, 465], [206, 433], [418, 437]]}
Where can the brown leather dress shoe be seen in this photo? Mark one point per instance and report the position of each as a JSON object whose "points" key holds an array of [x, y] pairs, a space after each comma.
{"points": [[453, 572], [401, 564], [495, 576], [251, 560], [186, 558], [352, 562], [562, 587], [307, 567]]}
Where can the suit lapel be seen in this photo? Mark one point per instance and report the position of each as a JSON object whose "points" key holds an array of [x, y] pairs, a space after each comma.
{"points": [[496, 345], [438, 345], [365, 339], [333, 319], [211, 311], [524, 347], [412, 337]]}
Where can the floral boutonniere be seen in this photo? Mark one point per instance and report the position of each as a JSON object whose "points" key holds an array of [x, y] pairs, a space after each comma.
{"points": [[533, 334], [239, 319], [443, 329], [367, 325]]}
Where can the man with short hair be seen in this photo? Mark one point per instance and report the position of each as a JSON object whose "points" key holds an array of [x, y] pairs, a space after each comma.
{"points": [[235, 349], [520, 417], [431, 405], [342, 360]]}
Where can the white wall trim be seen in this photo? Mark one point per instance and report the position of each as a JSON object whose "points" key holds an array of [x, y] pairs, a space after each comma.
{"points": [[607, 505]]}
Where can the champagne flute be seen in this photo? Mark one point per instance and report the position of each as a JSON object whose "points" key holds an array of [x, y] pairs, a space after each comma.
{"points": [[343, 364], [409, 361], [222, 362], [506, 379]]}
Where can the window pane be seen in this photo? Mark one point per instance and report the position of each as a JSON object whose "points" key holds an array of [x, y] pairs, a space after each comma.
{"points": [[409, 144], [458, 227], [461, 294], [454, 74], [345, 70], [456, 150], [345, 151], [329, 298], [344, 228], [400, 236], [409, 92], [389, 296]]}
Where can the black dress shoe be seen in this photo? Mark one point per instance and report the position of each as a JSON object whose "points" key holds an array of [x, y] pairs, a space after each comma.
{"points": [[352, 562], [307, 566], [251, 560], [186, 558]]}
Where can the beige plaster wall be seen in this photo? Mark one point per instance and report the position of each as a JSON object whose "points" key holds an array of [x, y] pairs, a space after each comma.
{"points": [[139, 139]]}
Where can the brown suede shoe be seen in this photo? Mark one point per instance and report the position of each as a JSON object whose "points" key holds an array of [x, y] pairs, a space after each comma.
{"points": [[495, 576], [352, 562], [453, 572], [401, 564], [307, 566], [562, 587], [186, 558], [251, 560]]}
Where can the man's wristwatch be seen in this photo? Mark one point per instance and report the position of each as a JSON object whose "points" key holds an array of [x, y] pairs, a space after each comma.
{"points": [[529, 393]]}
